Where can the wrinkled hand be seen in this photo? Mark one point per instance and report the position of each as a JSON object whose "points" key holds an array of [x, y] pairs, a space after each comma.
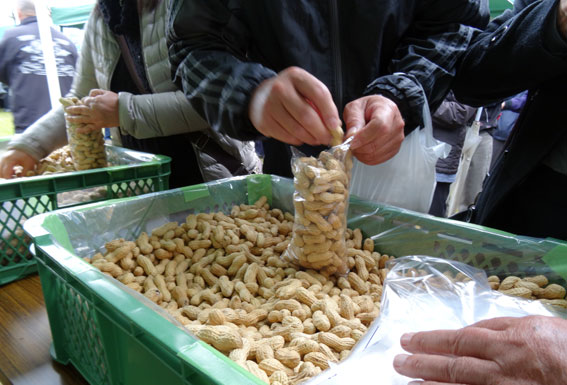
{"points": [[377, 126], [100, 110], [504, 351], [562, 18], [13, 158], [295, 108]]}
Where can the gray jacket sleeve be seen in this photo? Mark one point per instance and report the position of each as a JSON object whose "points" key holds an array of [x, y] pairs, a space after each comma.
{"points": [[163, 114]]}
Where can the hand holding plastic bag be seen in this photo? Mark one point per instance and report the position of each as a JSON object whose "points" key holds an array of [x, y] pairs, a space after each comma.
{"points": [[408, 179]]}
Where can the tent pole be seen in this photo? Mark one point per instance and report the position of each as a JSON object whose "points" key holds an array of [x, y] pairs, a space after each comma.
{"points": [[44, 23]]}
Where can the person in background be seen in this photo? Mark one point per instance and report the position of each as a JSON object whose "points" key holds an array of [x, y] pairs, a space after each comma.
{"points": [[22, 66], [450, 122], [511, 109], [526, 193], [289, 72], [124, 73]]}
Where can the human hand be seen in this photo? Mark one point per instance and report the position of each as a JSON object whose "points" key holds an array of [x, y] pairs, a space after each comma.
{"points": [[562, 18], [100, 110], [377, 126], [505, 351], [294, 107], [13, 158]]}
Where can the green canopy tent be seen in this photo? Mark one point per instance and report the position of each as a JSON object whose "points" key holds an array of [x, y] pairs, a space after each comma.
{"points": [[71, 16], [63, 14], [499, 6]]}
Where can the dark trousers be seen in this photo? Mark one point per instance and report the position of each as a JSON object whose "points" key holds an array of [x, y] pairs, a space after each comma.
{"points": [[439, 203]]}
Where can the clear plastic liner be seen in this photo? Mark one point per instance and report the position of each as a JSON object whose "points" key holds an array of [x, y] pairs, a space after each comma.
{"points": [[423, 293], [321, 203], [410, 303]]}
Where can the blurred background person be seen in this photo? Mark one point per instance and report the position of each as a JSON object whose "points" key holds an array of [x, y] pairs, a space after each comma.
{"points": [[22, 66], [450, 122]]}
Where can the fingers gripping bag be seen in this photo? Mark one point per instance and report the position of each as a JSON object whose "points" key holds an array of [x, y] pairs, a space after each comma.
{"points": [[321, 202], [87, 149]]}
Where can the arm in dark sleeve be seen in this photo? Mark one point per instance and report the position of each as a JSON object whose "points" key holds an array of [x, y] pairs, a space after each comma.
{"points": [[517, 51], [207, 49], [427, 56]]}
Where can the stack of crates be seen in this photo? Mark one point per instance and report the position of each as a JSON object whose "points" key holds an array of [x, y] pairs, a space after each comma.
{"points": [[131, 173]]}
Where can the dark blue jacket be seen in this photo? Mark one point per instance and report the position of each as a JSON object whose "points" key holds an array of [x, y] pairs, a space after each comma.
{"points": [[518, 51], [22, 68], [222, 50]]}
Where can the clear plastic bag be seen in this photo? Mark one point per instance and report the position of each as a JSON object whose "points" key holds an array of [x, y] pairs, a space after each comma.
{"points": [[87, 149], [321, 203], [423, 293]]}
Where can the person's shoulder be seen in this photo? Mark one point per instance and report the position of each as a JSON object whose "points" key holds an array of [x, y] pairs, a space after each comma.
{"points": [[13, 32]]}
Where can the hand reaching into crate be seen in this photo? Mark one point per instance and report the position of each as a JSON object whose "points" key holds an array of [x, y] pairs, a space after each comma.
{"points": [[15, 163], [506, 351]]}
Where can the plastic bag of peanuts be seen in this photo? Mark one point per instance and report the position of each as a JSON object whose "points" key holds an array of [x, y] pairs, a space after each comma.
{"points": [[87, 149], [321, 204]]}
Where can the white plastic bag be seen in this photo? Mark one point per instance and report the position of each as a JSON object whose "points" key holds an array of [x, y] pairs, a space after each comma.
{"points": [[455, 201], [408, 179]]}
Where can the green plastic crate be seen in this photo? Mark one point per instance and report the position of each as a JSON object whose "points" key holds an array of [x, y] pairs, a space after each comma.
{"points": [[113, 336], [133, 173]]}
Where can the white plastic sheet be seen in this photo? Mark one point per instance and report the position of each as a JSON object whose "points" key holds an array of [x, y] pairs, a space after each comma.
{"points": [[428, 300]]}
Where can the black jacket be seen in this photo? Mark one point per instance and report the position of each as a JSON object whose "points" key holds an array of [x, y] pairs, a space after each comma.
{"points": [[221, 50], [517, 52], [23, 69]]}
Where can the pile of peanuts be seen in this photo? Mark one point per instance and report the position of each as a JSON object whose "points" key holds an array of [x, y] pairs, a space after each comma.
{"points": [[536, 287], [87, 149], [59, 160], [17, 238], [321, 202], [80, 196], [223, 278]]}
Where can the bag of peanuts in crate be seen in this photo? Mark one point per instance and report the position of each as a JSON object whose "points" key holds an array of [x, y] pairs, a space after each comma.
{"points": [[87, 148], [321, 204]]}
